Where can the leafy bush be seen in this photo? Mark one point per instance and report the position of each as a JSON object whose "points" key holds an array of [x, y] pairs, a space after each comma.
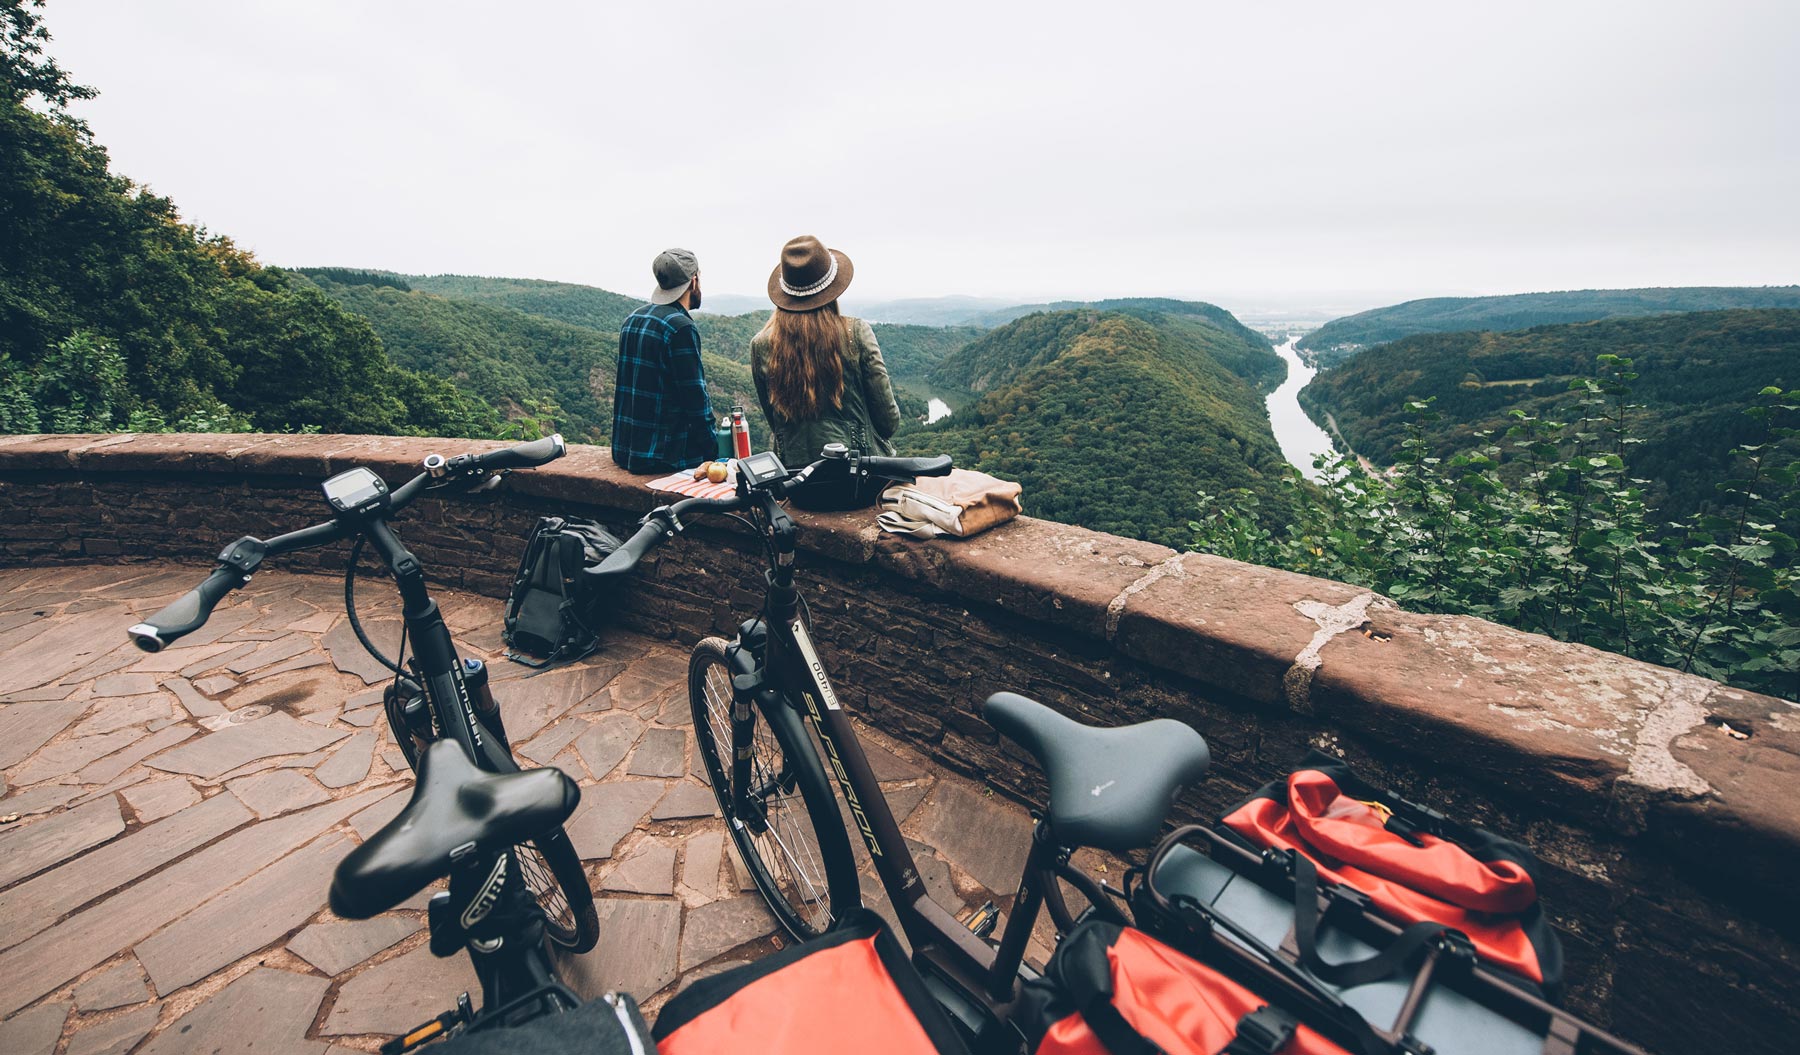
{"points": [[1564, 543]]}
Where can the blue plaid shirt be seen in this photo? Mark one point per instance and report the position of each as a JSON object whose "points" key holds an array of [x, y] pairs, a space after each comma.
{"points": [[662, 416]]}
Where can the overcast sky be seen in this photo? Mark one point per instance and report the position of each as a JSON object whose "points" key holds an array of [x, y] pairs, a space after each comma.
{"points": [[1302, 153]]}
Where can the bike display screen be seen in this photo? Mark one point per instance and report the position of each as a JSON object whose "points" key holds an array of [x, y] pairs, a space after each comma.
{"points": [[355, 489], [762, 468]]}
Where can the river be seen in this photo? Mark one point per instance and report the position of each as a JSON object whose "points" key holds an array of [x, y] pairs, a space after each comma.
{"points": [[1299, 438]]}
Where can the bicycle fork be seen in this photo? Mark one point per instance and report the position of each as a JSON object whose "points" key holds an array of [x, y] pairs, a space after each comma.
{"points": [[743, 726]]}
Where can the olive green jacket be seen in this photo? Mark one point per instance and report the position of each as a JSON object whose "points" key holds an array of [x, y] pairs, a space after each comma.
{"points": [[868, 417]]}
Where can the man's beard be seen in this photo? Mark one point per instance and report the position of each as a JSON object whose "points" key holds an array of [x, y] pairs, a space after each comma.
{"points": [[694, 298]]}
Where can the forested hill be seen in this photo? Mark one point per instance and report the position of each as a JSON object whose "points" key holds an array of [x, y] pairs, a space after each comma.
{"points": [[909, 350], [1698, 371], [1111, 420], [116, 314], [1342, 338], [525, 366], [547, 350], [568, 302], [1228, 341]]}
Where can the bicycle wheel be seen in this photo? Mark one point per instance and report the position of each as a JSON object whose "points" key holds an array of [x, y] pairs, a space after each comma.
{"points": [[550, 866], [792, 838], [553, 872]]}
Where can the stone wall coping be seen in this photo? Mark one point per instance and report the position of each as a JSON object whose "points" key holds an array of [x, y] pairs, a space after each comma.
{"points": [[1598, 737]]}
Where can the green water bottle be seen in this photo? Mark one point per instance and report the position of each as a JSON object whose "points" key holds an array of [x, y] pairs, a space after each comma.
{"points": [[722, 438]]}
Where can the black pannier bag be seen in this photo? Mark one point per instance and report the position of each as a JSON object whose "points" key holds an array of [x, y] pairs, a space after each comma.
{"points": [[852, 990], [553, 613], [1369, 912]]}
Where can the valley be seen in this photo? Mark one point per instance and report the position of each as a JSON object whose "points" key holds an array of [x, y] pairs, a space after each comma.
{"points": [[1650, 509]]}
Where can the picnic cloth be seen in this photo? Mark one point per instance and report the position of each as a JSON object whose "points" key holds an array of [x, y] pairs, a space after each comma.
{"points": [[683, 483]]}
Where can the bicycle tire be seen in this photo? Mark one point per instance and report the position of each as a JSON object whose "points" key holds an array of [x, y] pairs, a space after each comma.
{"points": [[549, 865], [570, 920], [804, 869]]}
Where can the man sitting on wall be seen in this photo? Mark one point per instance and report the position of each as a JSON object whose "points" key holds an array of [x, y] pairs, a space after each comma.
{"points": [[662, 416]]}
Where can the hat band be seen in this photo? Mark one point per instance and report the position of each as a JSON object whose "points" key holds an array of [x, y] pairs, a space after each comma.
{"points": [[807, 291]]}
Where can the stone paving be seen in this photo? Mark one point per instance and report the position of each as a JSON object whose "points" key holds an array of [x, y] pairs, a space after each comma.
{"points": [[170, 822]]}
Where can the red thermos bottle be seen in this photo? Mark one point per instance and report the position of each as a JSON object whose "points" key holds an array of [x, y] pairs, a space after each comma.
{"points": [[740, 433]]}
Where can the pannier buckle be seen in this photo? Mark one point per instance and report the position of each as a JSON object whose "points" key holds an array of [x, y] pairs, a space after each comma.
{"points": [[1455, 947], [1348, 900], [1278, 862], [1419, 820], [1264, 1031]]}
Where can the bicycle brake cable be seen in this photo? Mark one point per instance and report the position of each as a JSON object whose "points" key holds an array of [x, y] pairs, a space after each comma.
{"points": [[355, 623]]}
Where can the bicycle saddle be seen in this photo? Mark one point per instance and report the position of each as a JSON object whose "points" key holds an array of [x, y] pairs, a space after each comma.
{"points": [[1109, 788], [456, 809]]}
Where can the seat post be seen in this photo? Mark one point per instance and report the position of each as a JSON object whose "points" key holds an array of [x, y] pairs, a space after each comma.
{"points": [[491, 912], [1026, 905]]}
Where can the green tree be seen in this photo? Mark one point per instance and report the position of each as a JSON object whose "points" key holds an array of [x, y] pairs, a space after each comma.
{"points": [[1551, 532], [205, 333], [26, 72]]}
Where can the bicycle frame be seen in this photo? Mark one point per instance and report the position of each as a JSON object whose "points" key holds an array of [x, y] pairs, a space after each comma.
{"points": [[984, 975], [516, 965]]}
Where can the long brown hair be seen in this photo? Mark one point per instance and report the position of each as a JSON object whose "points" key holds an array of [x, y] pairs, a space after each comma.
{"points": [[806, 361]]}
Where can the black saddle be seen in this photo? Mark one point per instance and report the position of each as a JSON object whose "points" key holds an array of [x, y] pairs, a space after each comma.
{"points": [[456, 809], [1109, 788]]}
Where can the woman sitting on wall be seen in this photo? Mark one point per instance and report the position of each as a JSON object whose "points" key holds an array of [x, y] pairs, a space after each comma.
{"points": [[819, 373]]}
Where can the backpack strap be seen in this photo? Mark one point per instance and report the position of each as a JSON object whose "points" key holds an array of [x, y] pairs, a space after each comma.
{"points": [[527, 564], [543, 549], [565, 581], [1352, 973]]}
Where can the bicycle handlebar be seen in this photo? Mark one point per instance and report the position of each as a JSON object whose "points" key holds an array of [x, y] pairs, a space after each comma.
{"points": [[187, 614], [659, 525], [525, 455], [239, 561], [900, 468]]}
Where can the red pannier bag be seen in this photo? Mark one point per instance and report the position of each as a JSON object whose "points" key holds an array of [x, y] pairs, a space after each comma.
{"points": [[1114, 990], [1413, 864], [852, 990]]}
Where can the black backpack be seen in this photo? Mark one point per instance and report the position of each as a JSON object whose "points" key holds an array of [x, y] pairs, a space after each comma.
{"points": [[552, 613]]}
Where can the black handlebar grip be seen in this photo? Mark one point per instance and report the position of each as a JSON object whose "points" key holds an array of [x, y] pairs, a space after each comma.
{"points": [[620, 561], [901, 468], [525, 455], [187, 614]]}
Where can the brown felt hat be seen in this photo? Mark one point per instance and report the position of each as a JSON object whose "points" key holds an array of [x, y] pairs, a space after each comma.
{"points": [[809, 276]]}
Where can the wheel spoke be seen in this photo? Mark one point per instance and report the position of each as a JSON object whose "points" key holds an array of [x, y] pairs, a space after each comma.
{"points": [[783, 851]]}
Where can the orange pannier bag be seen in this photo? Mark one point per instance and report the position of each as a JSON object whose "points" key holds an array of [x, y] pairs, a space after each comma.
{"points": [[1114, 990], [1413, 864], [852, 990]]}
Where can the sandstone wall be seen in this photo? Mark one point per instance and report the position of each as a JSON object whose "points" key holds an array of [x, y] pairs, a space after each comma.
{"points": [[1668, 843]]}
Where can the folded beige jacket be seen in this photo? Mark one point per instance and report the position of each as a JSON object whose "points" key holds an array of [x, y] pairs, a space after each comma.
{"points": [[962, 504]]}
